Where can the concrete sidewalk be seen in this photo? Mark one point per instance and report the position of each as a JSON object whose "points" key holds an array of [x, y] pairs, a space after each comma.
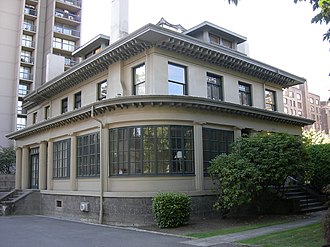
{"points": [[228, 240]]}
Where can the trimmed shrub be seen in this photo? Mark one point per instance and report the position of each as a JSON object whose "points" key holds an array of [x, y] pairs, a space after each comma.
{"points": [[171, 209], [319, 165]]}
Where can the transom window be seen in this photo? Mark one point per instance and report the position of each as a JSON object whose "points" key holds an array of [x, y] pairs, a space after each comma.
{"points": [[214, 86], [102, 90], [61, 154], [270, 100], [215, 142], [88, 155], [245, 97], [139, 80], [151, 150], [177, 84]]}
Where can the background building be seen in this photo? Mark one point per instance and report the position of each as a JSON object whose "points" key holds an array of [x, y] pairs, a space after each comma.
{"points": [[34, 34], [298, 101]]}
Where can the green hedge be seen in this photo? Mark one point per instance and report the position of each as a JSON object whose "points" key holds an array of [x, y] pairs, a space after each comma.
{"points": [[171, 209]]}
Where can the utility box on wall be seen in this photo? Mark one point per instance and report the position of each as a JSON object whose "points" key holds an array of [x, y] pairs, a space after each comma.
{"points": [[84, 206]]}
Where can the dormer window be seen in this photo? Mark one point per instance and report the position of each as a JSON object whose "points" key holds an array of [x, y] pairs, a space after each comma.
{"points": [[214, 39], [227, 43]]}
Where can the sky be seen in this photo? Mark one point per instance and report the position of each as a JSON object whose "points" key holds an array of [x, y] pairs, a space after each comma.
{"points": [[279, 32]]}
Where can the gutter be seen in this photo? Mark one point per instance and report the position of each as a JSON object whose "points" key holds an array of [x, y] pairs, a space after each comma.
{"points": [[101, 164]]}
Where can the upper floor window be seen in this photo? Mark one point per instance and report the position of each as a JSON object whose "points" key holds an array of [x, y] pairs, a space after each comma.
{"points": [[64, 105], [214, 86], [102, 90], [285, 100], [311, 100], [34, 117], [47, 112], [27, 40], [298, 96], [21, 123], [214, 39], [63, 44], [317, 102], [245, 97], [227, 43], [23, 89], [270, 100], [291, 94], [77, 100], [139, 80], [177, 84], [25, 73]]}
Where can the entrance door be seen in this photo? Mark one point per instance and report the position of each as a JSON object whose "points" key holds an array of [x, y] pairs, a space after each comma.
{"points": [[34, 168]]}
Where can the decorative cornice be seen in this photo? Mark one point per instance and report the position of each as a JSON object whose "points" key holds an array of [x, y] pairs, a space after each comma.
{"points": [[186, 102]]}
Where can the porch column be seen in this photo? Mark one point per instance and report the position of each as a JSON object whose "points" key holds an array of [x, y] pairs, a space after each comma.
{"points": [[18, 175], [198, 150], [73, 162], [43, 165], [50, 165], [25, 168]]}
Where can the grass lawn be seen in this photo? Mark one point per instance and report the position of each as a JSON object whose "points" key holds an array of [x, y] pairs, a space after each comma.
{"points": [[235, 229], [307, 236]]}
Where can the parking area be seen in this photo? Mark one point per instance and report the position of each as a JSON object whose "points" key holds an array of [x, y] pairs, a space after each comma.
{"points": [[39, 231]]}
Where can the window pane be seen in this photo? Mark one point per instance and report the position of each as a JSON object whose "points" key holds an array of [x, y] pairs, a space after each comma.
{"points": [[175, 89], [176, 73]]}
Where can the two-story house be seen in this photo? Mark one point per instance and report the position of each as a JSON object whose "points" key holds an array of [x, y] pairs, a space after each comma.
{"points": [[145, 114]]}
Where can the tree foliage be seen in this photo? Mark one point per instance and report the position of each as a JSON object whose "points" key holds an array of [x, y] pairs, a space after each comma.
{"points": [[311, 137], [256, 162], [7, 160], [322, 7]]}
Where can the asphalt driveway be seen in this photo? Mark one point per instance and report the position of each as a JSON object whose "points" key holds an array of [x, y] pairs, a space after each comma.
{"points": [[38, 231]]}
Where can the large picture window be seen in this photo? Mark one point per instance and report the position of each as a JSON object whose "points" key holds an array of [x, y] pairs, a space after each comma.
{"points": [[214, 86], [151, 150], [177, 84], [61, 163], [215, 142], [88, 155], [139, 80]]}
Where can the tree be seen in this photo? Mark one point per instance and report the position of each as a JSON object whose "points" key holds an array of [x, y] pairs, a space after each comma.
{"points": [[256, 163], [323, 6], [7, 160], [311, 137]]}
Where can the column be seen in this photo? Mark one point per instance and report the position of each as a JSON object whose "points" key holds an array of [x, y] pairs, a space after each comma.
{"points": [[18, 175], [73, 162], [198, 148], [43, 165], [25, 168], [50, 159]]}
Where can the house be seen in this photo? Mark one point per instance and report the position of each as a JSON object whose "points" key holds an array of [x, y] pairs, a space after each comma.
{"points": [[145, 114]]}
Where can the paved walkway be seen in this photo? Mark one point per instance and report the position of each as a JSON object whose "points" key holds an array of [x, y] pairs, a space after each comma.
{"points": [[228, 240]]}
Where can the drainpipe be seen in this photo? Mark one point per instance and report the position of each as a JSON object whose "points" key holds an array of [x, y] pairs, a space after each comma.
{"points": [[101, 164]]}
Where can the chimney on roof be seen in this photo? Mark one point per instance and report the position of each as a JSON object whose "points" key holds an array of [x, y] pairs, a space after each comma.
{"points": [[119, 20]]}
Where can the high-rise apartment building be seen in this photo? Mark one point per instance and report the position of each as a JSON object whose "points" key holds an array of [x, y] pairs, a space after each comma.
{"points": [[299, 102], [35, 35], [325, 116]]}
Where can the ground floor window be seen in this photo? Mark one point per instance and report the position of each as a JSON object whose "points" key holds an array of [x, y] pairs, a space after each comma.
{"points": [[215, 142], [61, 156], [152, 150], [88, 155]]}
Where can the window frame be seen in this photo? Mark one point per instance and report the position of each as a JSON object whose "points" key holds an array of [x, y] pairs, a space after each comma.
{"points": [[100, 95], [34, 117], [61, 159], [211, 87], [184, 84], [64, 105], [244, 93], [88, 155], [140, 83], [269, 105], [215, 142], [77, 98], [151, 150]]}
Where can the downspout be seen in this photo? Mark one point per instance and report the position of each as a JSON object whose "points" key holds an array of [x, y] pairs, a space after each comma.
{"points": [[101, 164]]}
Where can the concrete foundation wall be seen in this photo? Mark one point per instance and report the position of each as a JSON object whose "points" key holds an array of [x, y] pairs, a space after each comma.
{"points": [[7, 182]]}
